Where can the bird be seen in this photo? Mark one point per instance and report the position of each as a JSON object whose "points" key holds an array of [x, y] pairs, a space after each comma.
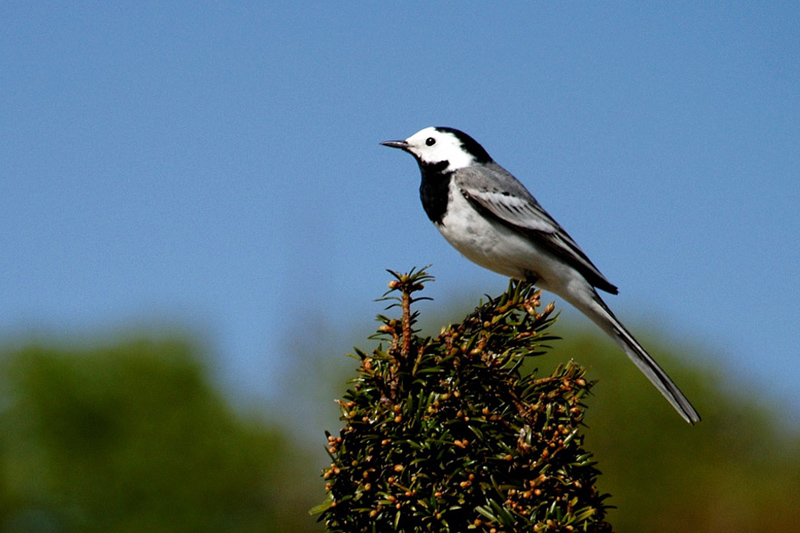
{"points": [[489, 216]]}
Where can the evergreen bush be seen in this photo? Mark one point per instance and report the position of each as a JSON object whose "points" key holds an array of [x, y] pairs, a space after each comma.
{"points": [[450, 434]]}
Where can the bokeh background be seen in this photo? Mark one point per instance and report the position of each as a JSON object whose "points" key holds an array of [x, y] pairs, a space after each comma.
{"points": [[196, 218]]}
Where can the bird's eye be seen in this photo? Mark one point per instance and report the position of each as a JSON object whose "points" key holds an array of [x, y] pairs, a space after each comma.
{"points": [[430, 141]]}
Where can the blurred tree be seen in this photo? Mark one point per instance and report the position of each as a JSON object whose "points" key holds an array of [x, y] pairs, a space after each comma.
{"points": [[736, 471], [133, 437]]}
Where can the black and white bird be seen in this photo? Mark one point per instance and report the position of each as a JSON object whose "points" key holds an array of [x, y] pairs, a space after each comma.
{"points": [[492, 219]]}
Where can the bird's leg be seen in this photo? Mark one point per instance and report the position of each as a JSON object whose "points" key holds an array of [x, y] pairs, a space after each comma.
{"points": [[531, 277]]}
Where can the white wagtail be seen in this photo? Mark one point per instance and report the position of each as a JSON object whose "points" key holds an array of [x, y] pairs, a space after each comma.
{"points": [[492, 219]]}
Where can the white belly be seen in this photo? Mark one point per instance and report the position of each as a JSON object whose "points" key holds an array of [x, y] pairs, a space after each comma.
{"points": [[500, 249], [489, 244]]}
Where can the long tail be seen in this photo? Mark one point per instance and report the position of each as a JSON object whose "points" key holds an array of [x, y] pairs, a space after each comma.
{"points": [[597, 310]]}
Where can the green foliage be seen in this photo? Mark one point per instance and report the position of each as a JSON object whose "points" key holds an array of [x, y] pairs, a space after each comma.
{"points": [[737, 471], [133, 437], [447, 434]]}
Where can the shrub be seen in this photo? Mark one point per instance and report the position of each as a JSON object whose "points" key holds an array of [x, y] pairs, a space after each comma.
{"points": [[450, 434]]}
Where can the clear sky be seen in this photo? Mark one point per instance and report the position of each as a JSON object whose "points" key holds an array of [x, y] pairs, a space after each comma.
{"points": [[216, 165]]}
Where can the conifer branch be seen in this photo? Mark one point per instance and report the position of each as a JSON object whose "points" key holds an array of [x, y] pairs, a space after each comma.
{"points": [[457, 437]]}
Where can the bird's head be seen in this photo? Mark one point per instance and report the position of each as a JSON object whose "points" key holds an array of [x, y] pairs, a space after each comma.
{"points": [[447, 148]]}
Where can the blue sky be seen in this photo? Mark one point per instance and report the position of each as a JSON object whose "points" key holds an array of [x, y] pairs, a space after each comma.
{"points": [[217, 168]]}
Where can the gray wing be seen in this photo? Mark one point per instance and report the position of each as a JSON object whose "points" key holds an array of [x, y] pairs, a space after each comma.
{"points": [[500, 196]]}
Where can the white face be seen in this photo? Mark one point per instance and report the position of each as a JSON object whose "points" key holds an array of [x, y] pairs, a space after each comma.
{"points": [[432, 146]]}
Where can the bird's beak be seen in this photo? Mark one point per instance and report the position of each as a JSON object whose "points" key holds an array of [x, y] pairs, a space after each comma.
{"points": [[403, 145]]}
